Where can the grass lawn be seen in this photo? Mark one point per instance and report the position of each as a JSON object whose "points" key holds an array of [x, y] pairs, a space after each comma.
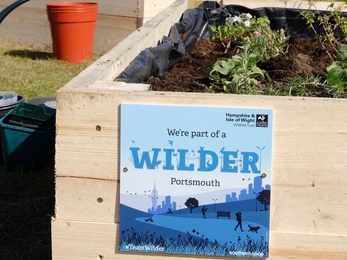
{"points": [[33, 72]]}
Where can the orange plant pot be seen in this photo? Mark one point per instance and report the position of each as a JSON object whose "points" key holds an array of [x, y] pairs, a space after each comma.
{"points": [[72, 29]]}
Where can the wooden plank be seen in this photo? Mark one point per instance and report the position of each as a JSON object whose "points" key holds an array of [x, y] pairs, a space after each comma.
{"points": [[110, 30], [89, 200], [120, 86], [152, 7], [27, 26], [296, 206], [308, 138], [31, 27], [83, 240]]}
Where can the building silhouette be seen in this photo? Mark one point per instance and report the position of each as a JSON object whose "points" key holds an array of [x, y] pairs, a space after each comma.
{"points": [[154, 197], [250, 193], [166, 205]]}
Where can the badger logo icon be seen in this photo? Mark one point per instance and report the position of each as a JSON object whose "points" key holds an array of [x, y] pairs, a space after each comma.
{"points": [[262, 120]]}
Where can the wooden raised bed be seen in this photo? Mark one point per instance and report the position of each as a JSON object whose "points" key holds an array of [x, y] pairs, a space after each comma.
{"points": [[309, 198]]}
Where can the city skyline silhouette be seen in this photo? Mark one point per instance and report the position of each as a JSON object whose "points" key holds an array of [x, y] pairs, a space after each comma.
{"points": [[251, 192]]}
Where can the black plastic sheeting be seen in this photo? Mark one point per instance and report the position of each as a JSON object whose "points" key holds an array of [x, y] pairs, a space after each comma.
{"points": [[157, 60], [195, 25]]}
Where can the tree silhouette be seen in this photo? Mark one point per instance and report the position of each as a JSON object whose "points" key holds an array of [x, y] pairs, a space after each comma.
{"points": [[264, 198], [192, 203]]}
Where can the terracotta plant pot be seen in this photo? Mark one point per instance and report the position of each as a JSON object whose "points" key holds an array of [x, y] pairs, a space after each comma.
{"points": [[72, 28]]}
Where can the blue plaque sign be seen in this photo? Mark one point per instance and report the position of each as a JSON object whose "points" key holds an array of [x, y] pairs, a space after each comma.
{"points": [[195, 180]]}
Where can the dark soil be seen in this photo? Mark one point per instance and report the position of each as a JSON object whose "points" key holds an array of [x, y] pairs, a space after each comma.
{"points": [[304, 57]]}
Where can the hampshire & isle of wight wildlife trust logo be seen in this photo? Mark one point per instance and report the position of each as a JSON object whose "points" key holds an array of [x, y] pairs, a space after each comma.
{"points": [[262, 120]]}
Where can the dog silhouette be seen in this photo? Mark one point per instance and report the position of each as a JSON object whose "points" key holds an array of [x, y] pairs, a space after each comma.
{"points": [[253, 229]]}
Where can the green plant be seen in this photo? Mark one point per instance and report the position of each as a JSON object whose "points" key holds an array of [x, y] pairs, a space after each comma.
{"points": [[269, 43], [313, 87], [257, 32], [234, 29], [333, 24], [237, 74], [337, 71], [273, 90], [299, 86]]}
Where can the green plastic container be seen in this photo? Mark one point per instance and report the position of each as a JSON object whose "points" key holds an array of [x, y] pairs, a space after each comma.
{"points": [[32, 116], [26, 147]]}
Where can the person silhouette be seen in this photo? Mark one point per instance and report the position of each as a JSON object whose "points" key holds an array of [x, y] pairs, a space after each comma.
{"points": [[203, 210], [239, 221]]}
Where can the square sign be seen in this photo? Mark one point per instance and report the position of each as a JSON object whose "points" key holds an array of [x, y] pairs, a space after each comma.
{"points": [[195, 180]]}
